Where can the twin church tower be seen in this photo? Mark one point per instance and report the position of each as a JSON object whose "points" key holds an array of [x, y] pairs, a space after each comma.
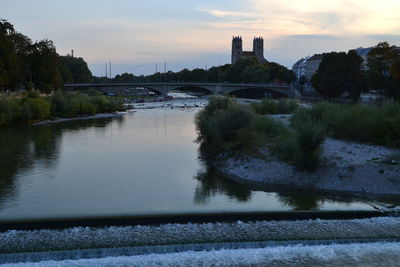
{"points": [[238, 53]]}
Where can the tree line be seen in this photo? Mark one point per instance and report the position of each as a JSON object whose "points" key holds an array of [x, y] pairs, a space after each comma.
{"points": [[27, 65], [341, 73], [245, 70]]}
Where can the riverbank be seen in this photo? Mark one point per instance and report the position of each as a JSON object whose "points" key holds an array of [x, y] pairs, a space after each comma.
{"points": [[97, 116], [33, 108], [347, 167], [304, 147]]}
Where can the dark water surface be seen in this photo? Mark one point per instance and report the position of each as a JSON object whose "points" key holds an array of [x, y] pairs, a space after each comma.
{"points": [[143, 163]]}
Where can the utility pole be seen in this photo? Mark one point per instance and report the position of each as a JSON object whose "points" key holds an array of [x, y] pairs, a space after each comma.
{"points": [[106, 71], [165, 71], [110, 71], [156, 73]]}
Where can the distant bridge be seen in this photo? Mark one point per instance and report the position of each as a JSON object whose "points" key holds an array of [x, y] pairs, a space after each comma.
{"points": [[213, 88]]}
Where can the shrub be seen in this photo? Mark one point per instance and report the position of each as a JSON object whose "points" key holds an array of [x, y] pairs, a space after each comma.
{"points": [[35, 109], [363, 123], [225, 126], [287, 106], [10, 111], [58, 103], [269, 127], [302, 146], [268, 106], [72, 105], [31, 94], [101, 102]]}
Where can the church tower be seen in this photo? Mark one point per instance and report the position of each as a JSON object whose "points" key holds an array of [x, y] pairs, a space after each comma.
{"points": [[237, 49], [258, 48]]}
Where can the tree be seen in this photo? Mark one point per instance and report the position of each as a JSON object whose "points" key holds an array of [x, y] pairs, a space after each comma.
{"points": [[6, 51], [383, 70], [45, 67], [330, 80], [27, 65], [356, 78], [78, 69], [339, 73]]}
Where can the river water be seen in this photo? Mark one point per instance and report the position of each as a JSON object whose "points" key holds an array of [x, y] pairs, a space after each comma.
{"points": [[145, 162]]}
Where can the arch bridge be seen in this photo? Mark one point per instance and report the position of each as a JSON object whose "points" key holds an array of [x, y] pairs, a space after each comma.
{"points": [[213, 88]]}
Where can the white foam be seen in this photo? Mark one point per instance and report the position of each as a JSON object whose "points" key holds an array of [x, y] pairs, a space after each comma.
{"points": [[171, 234], [373, 254]]}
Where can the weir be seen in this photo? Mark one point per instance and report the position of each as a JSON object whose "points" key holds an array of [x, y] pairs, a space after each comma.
{"points": [[339, 238]]}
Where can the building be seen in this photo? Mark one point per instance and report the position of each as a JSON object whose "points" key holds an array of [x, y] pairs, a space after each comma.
{"points": [[363, 53], [312, 65], [238, 53], [299, 68], [307, 67]]}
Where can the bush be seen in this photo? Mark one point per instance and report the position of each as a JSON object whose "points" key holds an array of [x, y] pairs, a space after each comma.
{"points": [[72, 105], [32, 107], [302, 146], [225, 126], [268, 106], [269, 127], [287, 106], [10, 111], [363, 123], [35, 109], [31, 94]]}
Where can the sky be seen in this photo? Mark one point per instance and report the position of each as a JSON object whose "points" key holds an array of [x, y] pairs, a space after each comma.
{"points": [[136, 36]]}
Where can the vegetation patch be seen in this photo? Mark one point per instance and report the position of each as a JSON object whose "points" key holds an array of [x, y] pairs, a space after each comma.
{"points": [[225, 126], [32, 108], [302, 145], [269, 106], [379, 125]]}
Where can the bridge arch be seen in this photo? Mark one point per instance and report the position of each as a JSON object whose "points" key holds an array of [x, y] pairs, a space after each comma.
{"points": [[196, 90], [154, 90], [256, 92]]}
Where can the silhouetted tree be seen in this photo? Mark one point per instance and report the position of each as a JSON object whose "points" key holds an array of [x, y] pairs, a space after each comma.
{"points": [[383, 64], [78, 68], [339, 73]]}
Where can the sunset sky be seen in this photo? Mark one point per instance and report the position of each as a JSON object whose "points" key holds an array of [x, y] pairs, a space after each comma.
{"points": [[137, 35]]}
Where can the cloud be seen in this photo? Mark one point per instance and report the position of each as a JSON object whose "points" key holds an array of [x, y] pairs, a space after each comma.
{"points": [[385, 37], [225, 13], [315, 36]]}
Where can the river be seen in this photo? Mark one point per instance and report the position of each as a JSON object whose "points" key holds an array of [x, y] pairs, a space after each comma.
{"points": [[145, 162]]}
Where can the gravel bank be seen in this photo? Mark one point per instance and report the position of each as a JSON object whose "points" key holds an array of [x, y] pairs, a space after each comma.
{"points": [[348, 167]]}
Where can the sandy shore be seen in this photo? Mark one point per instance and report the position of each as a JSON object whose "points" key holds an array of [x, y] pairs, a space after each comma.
{"points": [[347, 167], [97, 116]]}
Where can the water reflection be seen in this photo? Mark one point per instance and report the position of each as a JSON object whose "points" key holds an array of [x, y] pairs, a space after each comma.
{"points": [[24, 147], [211, 184], [301, 201]]}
